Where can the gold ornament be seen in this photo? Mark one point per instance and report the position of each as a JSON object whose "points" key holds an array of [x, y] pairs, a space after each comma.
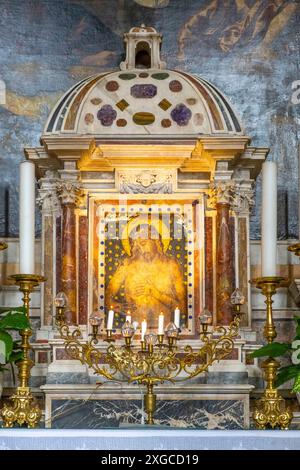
{"points": [[155, 361], [23, 409], [270, 410]]}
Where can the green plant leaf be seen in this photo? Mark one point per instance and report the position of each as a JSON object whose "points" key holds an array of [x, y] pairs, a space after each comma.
{"points": [[7, 340], [15, 356], [271, 350], [5, 310], [296, 387], [14, 321], [286, 373], [297, 320]]}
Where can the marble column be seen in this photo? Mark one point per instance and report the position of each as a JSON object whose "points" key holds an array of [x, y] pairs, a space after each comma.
{"points": [[68, 192], [83, 269], [223, 195], [241, 207], [209, 264], [50, 209]]}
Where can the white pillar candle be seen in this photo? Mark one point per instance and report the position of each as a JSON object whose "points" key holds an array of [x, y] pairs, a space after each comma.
{"points": [[110, 319], [143, 330], [128, 317], [269, 220], [177, 317], [161, 320], [27, 217]]}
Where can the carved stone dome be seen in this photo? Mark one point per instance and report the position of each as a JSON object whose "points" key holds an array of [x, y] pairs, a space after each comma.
{"points": [[143, 99]]}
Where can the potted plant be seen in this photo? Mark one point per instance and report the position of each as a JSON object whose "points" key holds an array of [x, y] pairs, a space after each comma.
{"points": [[10, 349], [292, 371]]}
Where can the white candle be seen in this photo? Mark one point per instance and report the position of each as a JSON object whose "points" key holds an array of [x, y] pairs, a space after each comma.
{"points": [[110, 319], [177, 317], [27, 217], [161, 320], [143, 330], [128, 317], [269, 219]]}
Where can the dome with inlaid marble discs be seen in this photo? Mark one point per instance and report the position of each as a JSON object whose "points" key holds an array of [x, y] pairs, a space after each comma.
{"points": [[143, 99]]}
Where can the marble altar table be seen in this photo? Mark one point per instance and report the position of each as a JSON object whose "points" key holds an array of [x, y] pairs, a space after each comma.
{"points": [[146, 439]]}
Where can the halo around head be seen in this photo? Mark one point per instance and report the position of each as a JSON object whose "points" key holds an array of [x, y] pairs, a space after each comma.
{"points": [[135, 222]]}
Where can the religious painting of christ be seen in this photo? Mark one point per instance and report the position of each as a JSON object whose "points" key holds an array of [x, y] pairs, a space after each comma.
{"points": [[146, 262], [150, 280]]}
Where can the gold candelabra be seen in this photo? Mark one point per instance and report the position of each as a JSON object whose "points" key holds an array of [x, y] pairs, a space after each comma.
{"points": [[154, 360], [23, 409], [271, 410]]}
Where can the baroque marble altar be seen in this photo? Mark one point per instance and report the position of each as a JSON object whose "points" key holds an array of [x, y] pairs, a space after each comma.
{"points": [[142, 143]]}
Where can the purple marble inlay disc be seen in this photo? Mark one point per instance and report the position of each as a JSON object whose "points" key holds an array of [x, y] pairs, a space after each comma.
{"points": [[143, 91], [181, 114], [106, 115]]}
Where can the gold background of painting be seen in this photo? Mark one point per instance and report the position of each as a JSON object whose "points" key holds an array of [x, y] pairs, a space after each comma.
{"points": [[106, 269]]}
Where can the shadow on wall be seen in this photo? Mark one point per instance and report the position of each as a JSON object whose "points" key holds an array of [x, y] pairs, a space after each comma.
{"points": [[9, 212], [287, 214]]}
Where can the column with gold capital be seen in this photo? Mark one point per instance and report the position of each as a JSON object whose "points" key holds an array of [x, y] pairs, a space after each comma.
{"points": [[68, 192]]}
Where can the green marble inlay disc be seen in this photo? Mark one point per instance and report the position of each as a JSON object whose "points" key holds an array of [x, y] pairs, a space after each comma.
{"points": [[160, 76], [127, 76]]}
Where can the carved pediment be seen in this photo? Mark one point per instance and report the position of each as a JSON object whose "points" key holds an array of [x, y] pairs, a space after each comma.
{"points": [[145, 181]]}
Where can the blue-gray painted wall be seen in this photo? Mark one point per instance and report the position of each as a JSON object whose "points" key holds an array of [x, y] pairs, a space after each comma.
{"points": [[251, 52]]}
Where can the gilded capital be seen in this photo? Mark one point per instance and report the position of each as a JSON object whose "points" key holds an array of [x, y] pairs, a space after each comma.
{"points": [[222, 192], [69, 191]]}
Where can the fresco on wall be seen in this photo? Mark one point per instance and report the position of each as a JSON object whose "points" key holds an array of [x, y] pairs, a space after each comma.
{"points": [[249, 49]]}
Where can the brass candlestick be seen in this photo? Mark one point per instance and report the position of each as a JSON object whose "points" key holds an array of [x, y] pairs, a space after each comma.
{"points": [[24, 409], [295, 249], [109, 337], [150, 403], [205, 320], [60, 316], [60, 303], [160, 338], [3, 246], [271, 410]]}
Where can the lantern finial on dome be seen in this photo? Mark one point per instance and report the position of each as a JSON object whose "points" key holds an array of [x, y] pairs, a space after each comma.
{"points": [[142, 49]]}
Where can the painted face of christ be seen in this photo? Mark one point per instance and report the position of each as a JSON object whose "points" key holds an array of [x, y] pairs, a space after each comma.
{"points": [[144, 247]]}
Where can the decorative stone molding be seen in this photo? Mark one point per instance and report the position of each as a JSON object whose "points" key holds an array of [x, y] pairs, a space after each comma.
{"points": [[81, 201], [47, 193], [90, 158], [243, 199], [69, 191], [294, 289], [146, 182], [222, 192]]}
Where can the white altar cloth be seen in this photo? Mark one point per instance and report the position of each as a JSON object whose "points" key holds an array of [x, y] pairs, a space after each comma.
{"points": [[146, 439]]}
